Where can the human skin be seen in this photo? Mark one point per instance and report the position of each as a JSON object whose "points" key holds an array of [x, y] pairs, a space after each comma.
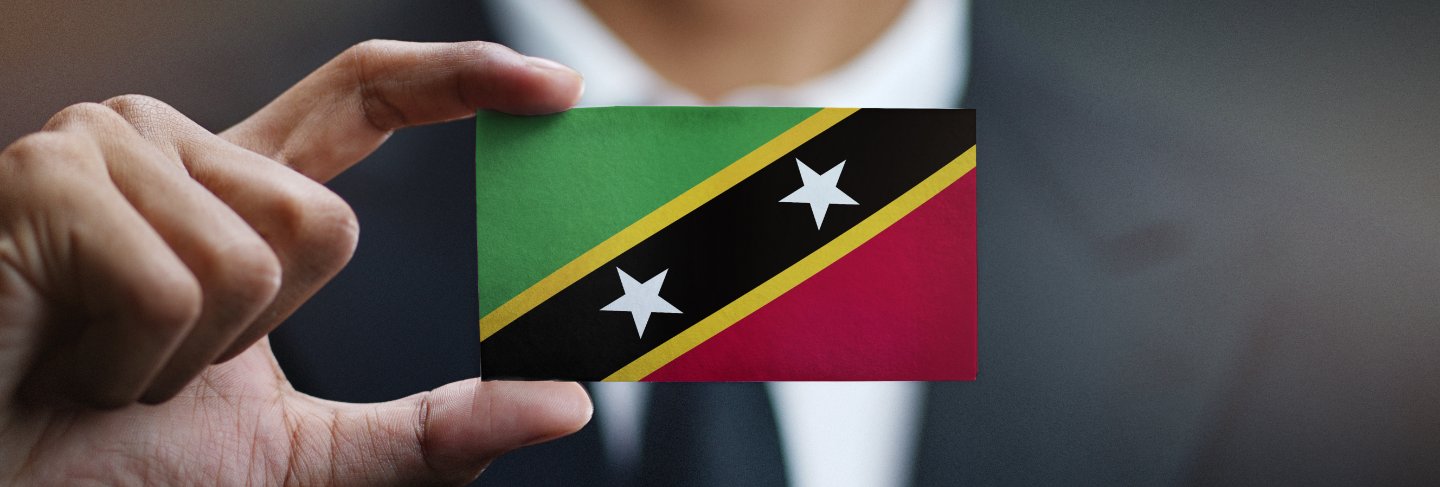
{"points": [[143, 260], [713, 47]]}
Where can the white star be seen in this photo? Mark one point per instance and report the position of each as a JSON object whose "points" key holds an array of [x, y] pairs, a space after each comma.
{"points": [[641, 299], [819, 190]]}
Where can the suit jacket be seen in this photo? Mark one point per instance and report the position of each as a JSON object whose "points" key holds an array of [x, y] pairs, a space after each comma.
{"points": [[1206, 255]]}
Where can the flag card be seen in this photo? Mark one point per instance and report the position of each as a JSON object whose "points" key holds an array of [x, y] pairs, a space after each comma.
{"points": [[727, 244]]}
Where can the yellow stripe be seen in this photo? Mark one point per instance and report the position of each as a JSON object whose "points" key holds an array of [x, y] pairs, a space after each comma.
{"points": [[660, 218], [789, 278]]}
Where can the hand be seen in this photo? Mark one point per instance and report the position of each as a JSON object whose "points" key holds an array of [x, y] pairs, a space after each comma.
{"points": [[143, 258]]}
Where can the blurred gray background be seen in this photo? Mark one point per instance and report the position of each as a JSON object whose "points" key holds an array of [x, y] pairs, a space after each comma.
{"points": [[1208, 229]]}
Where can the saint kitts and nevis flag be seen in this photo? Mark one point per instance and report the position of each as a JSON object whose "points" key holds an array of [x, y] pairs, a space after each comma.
{"points": [[727, 244]]}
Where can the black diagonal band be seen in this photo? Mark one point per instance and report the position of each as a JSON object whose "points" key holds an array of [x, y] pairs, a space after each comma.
{"points": [[728, 246]]}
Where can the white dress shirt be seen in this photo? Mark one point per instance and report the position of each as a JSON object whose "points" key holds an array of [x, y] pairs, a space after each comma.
{"points": [[832, 433]]}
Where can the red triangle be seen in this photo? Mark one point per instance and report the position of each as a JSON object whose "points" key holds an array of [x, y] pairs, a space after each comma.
{"points": [[902, 306]]}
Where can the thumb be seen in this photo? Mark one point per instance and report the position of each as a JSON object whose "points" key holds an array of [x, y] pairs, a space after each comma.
{"points": [[445, 436]]}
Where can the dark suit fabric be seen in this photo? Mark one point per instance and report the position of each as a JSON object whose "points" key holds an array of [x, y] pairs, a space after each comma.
{"points": [[1203, 258]]}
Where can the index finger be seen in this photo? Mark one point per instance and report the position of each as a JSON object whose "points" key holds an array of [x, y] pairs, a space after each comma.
{"points": [[341, 112]]}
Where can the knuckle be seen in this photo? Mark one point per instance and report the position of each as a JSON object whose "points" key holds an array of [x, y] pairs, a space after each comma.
{"points": [[322, 228], [245, 271], [90, 115], [46, 149], [248, 272], [143, 112], [48, 145], [370, 52], [371, 48], [360, 63], [169, 303], [132, 103], [480, 49], [53, 173], [86, 111]]}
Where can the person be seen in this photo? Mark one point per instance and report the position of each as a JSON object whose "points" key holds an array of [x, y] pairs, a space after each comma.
{"points": [[139, 249], [202, 335], [1186, 276]]}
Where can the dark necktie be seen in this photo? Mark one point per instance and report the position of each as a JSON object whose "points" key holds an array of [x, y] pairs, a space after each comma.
{"points": [[710, 435]]}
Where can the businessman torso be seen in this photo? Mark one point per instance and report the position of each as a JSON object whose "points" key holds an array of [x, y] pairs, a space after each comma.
{"points": [[1178, 284]]}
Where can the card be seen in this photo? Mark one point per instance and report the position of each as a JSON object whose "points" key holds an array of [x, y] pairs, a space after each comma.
{"points": [[727, 244]]}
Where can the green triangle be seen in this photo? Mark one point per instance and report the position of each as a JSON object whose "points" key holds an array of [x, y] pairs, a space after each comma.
{"points": [[549, 188]]}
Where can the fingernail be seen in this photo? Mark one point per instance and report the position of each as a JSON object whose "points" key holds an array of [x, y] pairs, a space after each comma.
{"points": [[542, 63], [548, 65]]}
